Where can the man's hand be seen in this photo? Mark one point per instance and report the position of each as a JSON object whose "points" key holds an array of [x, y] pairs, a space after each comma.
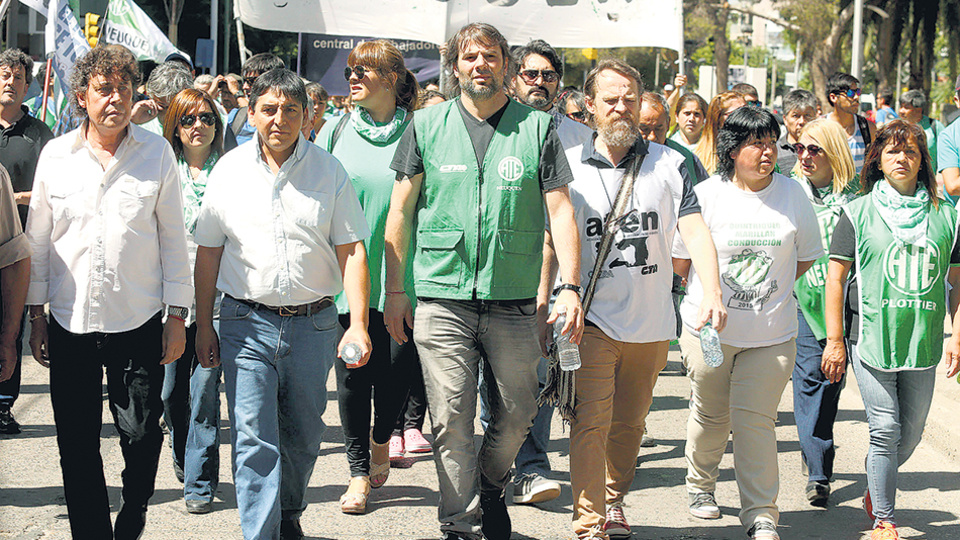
{"points": [[397, 312], [207, 346], [144, 111], [712, 311], [571, 305], [834, 360], [8, 359], [39, 344], [357, 334], [174, 340], [680, 81]]}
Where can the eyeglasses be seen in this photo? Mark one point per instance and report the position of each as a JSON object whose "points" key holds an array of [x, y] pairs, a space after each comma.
{"points": [[579, 116], [248, 81], [755, 103], [813, 149], [359, 71], [531, 75], [188, 120], [852, 92]]}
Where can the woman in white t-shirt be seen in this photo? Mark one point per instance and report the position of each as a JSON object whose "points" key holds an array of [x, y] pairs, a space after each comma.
{"points": [[766, 235]]}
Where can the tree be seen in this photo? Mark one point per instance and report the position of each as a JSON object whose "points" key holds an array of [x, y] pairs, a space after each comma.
{"points": [[174, 9]]}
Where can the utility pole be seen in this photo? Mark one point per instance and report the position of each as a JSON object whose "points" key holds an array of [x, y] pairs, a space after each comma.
{"points": [[857, 57], [214, 9]]}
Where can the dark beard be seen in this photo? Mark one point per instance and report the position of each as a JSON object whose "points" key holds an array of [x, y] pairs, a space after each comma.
{"points": [[481, 93]]}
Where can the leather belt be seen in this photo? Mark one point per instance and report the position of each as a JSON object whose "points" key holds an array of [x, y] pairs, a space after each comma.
{"points": [[291, 311]]}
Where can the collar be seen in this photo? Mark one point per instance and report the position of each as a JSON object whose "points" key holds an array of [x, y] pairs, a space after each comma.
{"points": [[134, 132], [591, 156], [784, 142], [299, 150]]}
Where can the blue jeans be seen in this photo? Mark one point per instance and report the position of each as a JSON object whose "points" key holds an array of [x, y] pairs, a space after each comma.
{"points": [[191, 409], [275, 374], [815, 402], [897, 403], [450, 337], [532, 457]]}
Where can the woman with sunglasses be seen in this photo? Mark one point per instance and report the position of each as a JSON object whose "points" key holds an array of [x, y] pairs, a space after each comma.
{"points": [[720, 108], [384, 94], [902, 237], [191, 394], [767, 236], [825, 171]]}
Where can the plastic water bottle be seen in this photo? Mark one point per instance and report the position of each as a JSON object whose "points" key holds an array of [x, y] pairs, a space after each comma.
{"points": [[567, 351], [710, 345], [351, 353]]}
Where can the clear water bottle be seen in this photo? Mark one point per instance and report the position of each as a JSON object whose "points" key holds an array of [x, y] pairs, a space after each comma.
{"points": [[567, 351], [710, 345], [351, 353]]}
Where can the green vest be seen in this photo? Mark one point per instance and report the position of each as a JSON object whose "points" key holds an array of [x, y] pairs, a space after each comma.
{"points": [[480, 226], [811, 287], [902, 288]]}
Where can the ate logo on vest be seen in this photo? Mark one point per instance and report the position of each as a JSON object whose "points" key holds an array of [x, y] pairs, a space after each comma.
{"points": [[910, 269], [510, 169]]}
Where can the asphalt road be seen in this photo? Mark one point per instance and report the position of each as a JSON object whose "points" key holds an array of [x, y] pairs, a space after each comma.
{"points": [[32, 504]]}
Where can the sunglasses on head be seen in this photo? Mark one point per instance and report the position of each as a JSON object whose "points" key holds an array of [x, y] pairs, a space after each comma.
{"points": [[548, 75], [813, 149], [359, 71], [188, 120]]}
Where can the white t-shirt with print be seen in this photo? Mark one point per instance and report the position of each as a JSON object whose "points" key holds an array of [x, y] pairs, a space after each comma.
{"points": [[760, 237], [632, 302]]}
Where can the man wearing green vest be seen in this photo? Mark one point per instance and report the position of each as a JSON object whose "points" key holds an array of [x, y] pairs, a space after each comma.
{"points": [[475, 175]]}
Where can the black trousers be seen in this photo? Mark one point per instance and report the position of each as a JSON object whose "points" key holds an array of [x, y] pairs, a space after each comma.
{"points": [[134, 380], [415, 406], [387, 376]]}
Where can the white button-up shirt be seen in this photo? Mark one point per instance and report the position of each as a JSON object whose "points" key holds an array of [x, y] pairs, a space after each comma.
{"points": [[279, 232], [109, 246]]}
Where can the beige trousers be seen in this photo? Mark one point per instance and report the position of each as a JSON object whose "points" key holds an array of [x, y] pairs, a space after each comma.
{"points": [[742, 394], [614, 392]]}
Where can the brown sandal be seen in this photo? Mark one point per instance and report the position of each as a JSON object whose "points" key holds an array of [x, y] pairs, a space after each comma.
{"points": [[379, 463], [354, 501]]}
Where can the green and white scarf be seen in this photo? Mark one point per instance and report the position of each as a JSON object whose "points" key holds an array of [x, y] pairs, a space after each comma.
{"points": [[907, 217], [193, 189], [368, 129]]}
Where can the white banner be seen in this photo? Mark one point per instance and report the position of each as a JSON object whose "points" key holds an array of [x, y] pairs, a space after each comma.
{"points": [[562, 23], [129, 26], [65, 40]]}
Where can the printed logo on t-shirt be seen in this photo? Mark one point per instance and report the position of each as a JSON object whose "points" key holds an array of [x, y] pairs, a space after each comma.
{"points": [[630, 241], [910, 269], [745, 274], [510, 169], [453, 168]]}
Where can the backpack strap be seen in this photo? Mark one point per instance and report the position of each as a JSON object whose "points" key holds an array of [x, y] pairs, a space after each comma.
{"points": [[864, 130], [337, 131], [239, 120]]}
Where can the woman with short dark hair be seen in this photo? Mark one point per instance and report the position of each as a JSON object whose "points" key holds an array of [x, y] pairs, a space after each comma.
{"points": [[767, 236], [903, 240]]}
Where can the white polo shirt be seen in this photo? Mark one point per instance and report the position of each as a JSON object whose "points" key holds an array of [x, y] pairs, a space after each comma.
{"points": [[279, 232]]}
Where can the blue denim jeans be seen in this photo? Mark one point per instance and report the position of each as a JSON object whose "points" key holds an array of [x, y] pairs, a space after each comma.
{"points": [[451, 336], [275, 374], [897, 403], [191, 410], [815, 402], [532, 457]]}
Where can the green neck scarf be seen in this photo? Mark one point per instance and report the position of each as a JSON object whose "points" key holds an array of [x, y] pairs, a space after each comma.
{"points": [[907, 217], [368, 129], [193, 189]]}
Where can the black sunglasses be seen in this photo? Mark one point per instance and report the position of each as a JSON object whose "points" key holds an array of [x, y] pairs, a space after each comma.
{"points": [[249, 81], [359, 71], [812, 148], [207, 118], [548, 75], [579, 116]]}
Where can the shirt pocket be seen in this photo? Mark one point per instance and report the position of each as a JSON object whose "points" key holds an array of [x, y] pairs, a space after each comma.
{"points": [[439, 259], [308, 208], [66, 202], [137, 198]]}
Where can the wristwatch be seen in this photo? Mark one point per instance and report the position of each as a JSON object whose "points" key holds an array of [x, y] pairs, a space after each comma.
{"points": [[568, 287], [178, 312]]}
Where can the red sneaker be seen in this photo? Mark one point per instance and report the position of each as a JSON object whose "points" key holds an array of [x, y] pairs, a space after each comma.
{"points": [[396, 448], [885, 531]]}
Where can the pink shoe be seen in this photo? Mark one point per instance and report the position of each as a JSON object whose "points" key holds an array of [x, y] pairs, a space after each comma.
{"points": [[415, 443], [396, 447]]}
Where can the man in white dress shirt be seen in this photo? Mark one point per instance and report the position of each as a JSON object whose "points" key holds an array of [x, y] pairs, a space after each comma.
{"points": [[110, 251], [280, 233]]}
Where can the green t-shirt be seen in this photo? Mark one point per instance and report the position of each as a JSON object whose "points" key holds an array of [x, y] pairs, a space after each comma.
{"points": [[368, 165]]}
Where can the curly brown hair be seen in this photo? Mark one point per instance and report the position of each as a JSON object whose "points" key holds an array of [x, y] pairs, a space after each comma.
{"points": [[103, 60]]}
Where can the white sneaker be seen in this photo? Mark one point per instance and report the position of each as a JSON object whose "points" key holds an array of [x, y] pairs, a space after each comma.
{"points": [[533, 488]]}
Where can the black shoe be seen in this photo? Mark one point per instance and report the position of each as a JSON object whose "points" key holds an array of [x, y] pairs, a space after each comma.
{"points": [[129, 524], [290, 530], [198, 506], [818, 492], [496, 520], [8, 425]]}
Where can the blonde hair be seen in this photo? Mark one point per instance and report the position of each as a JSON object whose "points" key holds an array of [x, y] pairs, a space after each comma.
{"points": [[832, 138], [706, 149]]}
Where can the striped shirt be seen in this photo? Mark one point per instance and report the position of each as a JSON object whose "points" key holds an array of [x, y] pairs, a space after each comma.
{"points": [[857, 148]]}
